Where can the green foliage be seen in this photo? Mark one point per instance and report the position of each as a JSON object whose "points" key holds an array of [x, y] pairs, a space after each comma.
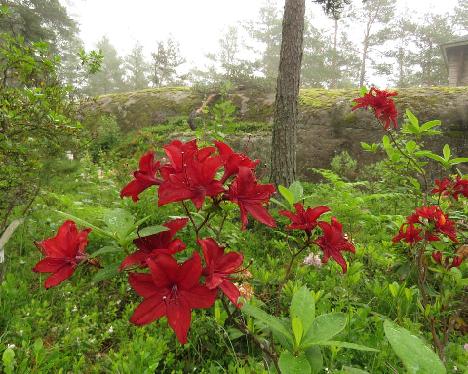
{"points": [[414, 353]]}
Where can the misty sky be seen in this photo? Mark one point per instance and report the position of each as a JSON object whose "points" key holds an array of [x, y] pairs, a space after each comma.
{"points": [[196, 25]]}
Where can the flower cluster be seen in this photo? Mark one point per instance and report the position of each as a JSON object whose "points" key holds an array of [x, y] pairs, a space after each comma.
{"points": [[173, 290], [451, 187], [332, 241], [456, 261], [427, 222], [63, 253], [381, 102], [191, 174]]}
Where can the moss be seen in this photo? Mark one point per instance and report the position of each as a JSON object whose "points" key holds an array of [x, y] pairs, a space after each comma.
{"points": [[155, 106]]}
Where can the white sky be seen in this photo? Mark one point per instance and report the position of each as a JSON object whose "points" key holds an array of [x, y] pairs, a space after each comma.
{"points": [[196, 25]]}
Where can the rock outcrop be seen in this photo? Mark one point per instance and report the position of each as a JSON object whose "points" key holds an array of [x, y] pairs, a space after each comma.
{"points": [[327, 125]]}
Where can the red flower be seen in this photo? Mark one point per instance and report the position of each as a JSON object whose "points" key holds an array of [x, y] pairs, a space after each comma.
{"points": [[219, 266], [250, 196], [437, 256], [232, 161], [194, 182], [145, 177], [381, 103], [454, 188], [63, 253], [456, 261], [156, 244], [179, 153], [442, 186], [333, 242], [304, 219], [432, 220], [460, 187], [171, 290], [409, 233]]}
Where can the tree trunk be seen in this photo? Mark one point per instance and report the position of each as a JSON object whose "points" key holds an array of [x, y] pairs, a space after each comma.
{"points": [[362, 75], [283, 145], [7, 234], [334, 64]]}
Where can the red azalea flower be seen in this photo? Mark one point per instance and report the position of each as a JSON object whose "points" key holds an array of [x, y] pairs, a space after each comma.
{"points": [[194, 182], [156, 244], [456, 262], [145, 177], [434, 222], [333, 242], [382, 104], [437, 256], [180, 153], [460, 187], [250, 196], [219, 267], [409, 233], [63, 253], [304, 219], [442, 187], [454, 188], [232, 161], [171, 290]]}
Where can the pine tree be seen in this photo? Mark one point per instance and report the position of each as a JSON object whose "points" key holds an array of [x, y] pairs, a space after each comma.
{"points": [[166, 60], [137, 69], [111, 76]]}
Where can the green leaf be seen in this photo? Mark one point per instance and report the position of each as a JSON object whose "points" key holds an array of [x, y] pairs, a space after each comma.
{"points": [[430, 124], [357, 347], [415, 354], [106, 273], [324, 328], [366, 146], [290, 364], [458, 160], [271, 322], [411, 146], [104, 250], [298, 330], [288, 195], [120, 222], [297, 191], [446, 152], [432, 156], [314, 356], [303, 307], [412, 118], [151, 230]]}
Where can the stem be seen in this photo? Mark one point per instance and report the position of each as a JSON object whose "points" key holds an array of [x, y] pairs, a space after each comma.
{"points": [[242, 327], [410, 159], [289, 268]]}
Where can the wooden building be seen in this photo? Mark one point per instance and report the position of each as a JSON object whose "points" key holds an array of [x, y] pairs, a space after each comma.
{"points": [[456, 59]]}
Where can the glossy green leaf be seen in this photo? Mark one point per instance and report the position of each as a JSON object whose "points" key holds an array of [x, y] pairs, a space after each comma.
{"points": [[415, 354], [324, 328], [290, 364], [297, 190], [271, 322], [151, 230], [288, 195], [357, 347], [298, 330], [303, 307], [314, 356], [104, 250], [446, 152]]}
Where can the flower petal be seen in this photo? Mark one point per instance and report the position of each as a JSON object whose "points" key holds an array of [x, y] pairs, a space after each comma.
{"points": [[149, 310], [58, 277]]}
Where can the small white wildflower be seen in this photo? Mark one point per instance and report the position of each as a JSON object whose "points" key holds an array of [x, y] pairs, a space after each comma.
{"points": [[313, 260], [118, 302], [11, 346], [465, 347], [455, 368], [111, 330], [20, 332], [75, 309]]}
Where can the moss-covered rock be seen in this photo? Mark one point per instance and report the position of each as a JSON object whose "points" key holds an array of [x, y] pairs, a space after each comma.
{"points": [[326, 125]]}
